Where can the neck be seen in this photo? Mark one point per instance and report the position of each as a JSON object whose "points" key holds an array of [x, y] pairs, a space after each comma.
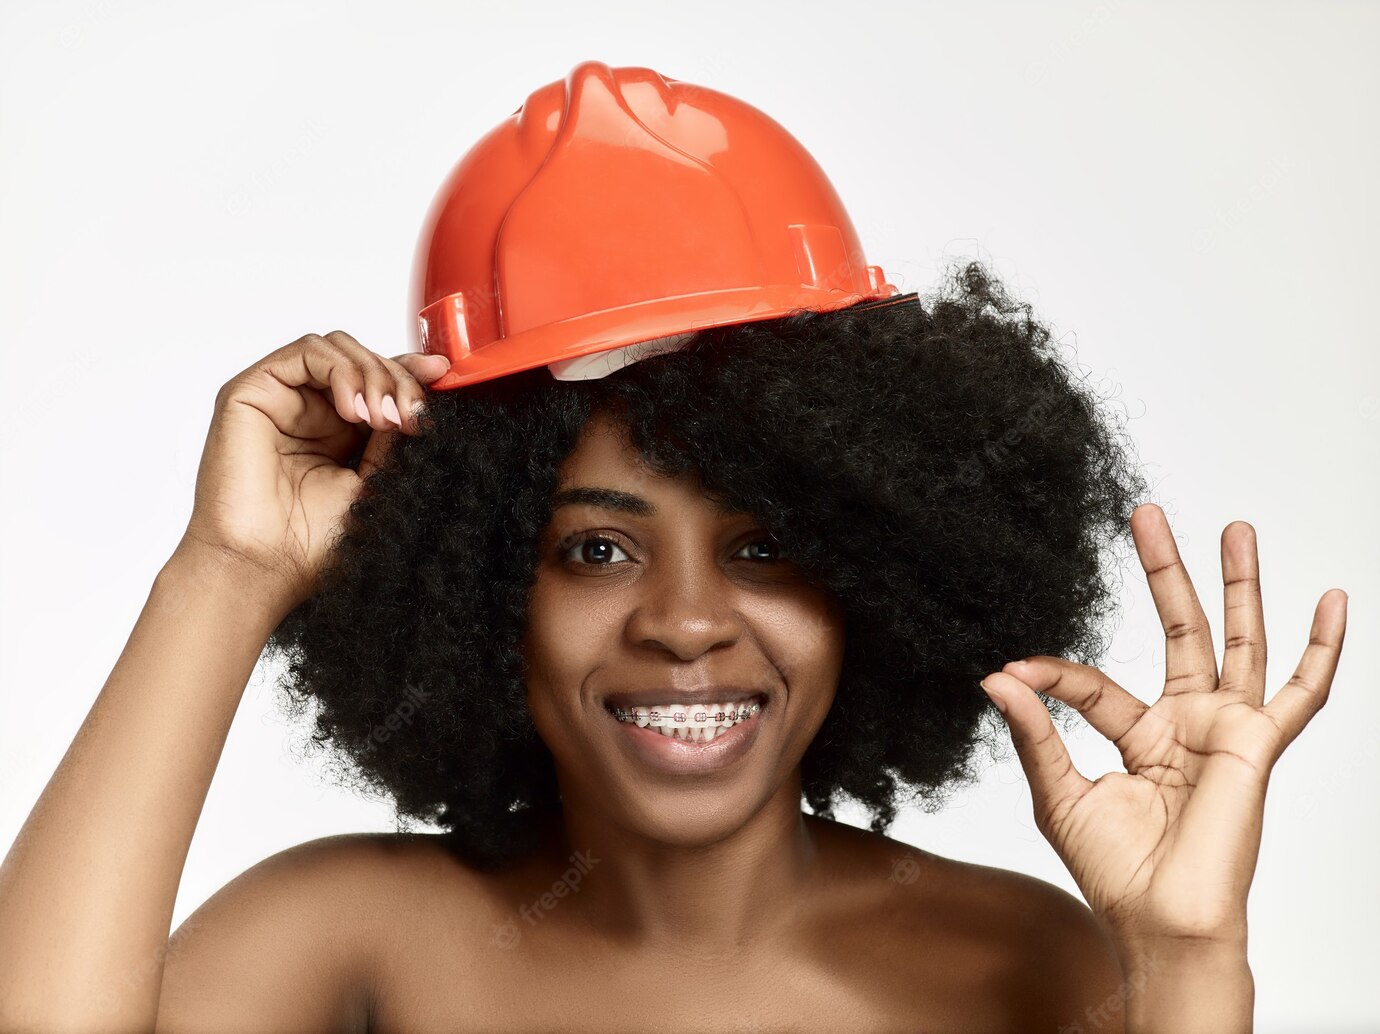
{"points": [[710, 898]]}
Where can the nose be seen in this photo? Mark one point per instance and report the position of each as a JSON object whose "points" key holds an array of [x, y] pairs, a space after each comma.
{"points": [[687, 608]]}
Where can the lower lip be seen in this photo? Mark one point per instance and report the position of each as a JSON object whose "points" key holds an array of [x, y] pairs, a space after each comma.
{"points": [[684, 757]]}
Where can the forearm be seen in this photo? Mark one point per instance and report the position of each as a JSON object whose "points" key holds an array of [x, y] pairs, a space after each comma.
{"points": [[1185, 988], [87, 889]]}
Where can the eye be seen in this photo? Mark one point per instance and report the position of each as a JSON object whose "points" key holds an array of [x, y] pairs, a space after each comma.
{"points": [[600, 542], [773, 547], [595, 550]]}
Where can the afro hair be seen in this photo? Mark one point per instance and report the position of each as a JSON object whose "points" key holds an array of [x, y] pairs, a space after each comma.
{"points": [[934, 465]]}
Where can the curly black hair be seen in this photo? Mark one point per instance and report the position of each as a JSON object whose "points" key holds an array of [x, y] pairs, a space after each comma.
{"points": [[933, 464]]}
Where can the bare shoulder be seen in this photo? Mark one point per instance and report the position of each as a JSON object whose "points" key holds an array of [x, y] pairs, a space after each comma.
{"points": [[1033, 951], [1063, 967], [294, 941]]}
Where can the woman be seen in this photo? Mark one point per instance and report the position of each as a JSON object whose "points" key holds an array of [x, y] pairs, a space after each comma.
{"points": [[609, 633]]}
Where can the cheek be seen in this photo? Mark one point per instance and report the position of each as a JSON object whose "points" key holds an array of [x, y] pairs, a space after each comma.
{"points": [[562, 644], [804, 641]]}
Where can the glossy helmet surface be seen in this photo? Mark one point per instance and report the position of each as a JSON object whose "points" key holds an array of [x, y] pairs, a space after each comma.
{"points": [[615, 213]]}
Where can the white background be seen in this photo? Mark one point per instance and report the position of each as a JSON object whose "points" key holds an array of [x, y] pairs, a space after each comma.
{"points": [[1185, 192]]}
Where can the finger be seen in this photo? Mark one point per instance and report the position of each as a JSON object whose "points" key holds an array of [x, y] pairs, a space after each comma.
{"points": [[1243, 656], [400, 405], [311, 362], [287, 387], [1108, 708], [398, 394], [319, 428], [423, 367], [378, 383], [412, 372], [1189, 662], [1055, 785], [1306, 692], [297, 422]]}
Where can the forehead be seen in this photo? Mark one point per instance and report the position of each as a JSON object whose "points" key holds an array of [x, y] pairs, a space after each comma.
{"points": [[603, 460], [602, 448]]}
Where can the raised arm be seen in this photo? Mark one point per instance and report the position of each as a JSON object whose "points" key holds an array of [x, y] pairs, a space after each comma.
{"points": [[87, 889]]}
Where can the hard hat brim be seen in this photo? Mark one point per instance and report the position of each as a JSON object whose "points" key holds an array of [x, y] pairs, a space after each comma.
{"points": [[615, 328]]}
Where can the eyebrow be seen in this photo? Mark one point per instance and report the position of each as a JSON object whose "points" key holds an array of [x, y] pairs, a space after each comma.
{"points": [[623, 502]]}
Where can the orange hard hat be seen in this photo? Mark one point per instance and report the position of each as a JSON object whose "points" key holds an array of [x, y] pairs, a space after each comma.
{"points": [[615, 213]]}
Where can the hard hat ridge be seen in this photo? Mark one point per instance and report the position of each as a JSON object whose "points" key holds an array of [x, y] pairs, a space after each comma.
{"points": [[615, 213]]}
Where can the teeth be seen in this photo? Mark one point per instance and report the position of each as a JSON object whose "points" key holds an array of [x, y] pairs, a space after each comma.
{"points": [[695, 723]]}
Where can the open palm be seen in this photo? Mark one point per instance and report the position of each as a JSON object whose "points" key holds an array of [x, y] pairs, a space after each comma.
{"points": [[1168, 847]]}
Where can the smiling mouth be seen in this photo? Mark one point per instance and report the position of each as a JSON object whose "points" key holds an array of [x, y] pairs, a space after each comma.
{"points": [[693, 723]]}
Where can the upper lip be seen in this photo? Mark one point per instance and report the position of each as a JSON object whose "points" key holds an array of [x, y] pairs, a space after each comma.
{"points": [[685, 697]]}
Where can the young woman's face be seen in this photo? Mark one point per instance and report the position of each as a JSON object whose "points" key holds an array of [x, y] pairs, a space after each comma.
{"points": [[646, 597]]}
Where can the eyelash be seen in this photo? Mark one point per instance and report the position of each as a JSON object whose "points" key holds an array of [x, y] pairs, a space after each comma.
{"points": [[571, 542]]}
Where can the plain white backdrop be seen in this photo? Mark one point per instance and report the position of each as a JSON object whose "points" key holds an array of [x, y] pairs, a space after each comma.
{"points": [[1185, 193]]}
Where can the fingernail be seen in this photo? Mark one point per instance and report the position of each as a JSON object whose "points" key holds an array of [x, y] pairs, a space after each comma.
{"points": [[360, 407], [390, 410]]}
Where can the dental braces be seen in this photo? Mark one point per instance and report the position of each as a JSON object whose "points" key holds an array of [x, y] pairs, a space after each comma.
{"points": [[696, 719]]}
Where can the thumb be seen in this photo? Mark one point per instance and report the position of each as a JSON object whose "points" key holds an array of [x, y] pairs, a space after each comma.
{"points": [[374, 451]]}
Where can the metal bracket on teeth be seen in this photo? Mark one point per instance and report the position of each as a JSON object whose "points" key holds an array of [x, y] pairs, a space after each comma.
{"points": [[624, 714]]}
